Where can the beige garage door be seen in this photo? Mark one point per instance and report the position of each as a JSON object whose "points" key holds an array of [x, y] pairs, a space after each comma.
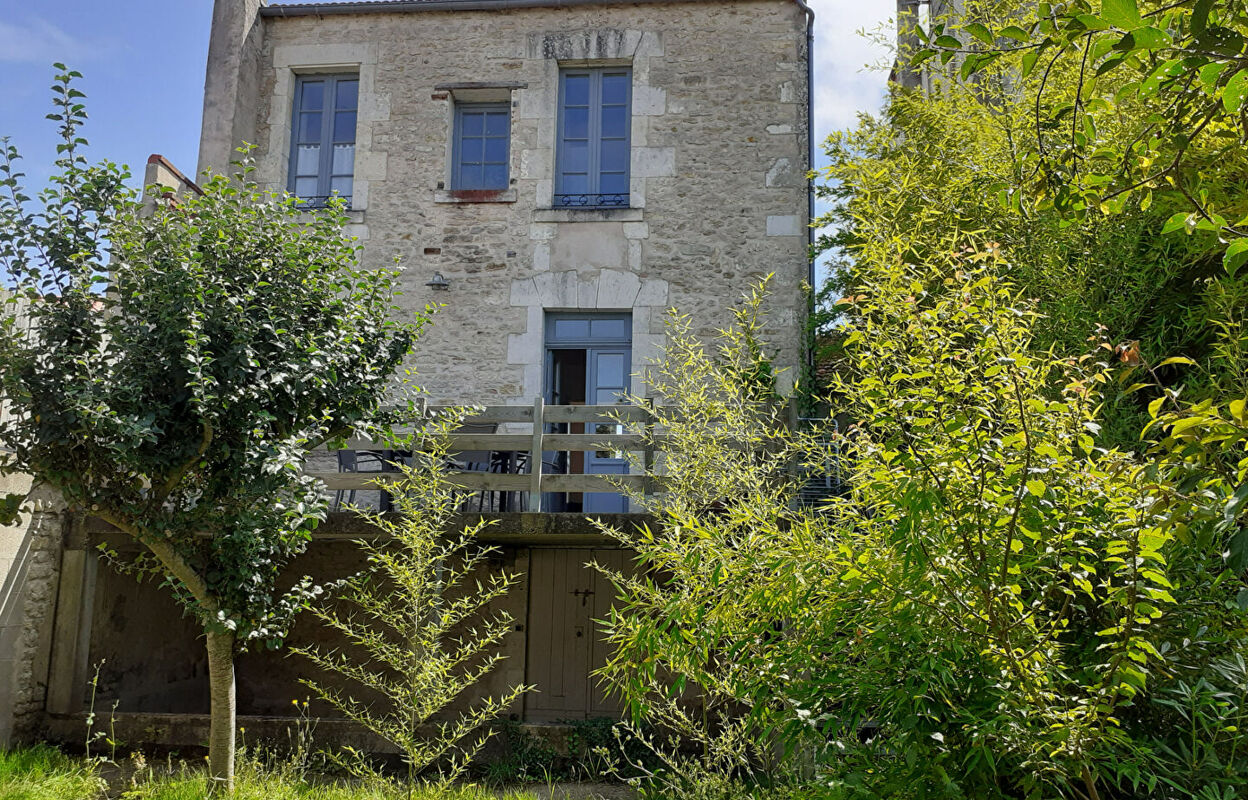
{"points": [[565, 597]]}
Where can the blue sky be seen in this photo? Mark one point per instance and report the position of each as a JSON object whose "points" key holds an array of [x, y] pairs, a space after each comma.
{"points": [[143, 62]]}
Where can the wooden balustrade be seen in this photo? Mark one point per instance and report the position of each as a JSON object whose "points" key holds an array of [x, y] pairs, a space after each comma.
{"points": [[533, 481]]}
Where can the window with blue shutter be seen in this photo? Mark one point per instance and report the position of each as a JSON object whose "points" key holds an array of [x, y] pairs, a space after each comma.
{"points": [[593, 149], [482, 140], [322, 156]]}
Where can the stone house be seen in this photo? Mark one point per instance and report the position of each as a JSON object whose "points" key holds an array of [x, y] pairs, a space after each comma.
{"points": [[556, 174]]}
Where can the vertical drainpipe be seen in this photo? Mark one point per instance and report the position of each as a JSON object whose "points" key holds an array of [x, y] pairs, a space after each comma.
{"points": [[810, 166]]}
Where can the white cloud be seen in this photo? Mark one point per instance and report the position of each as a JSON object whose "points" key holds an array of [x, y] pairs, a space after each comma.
{"points": [[852, 39], [40, 42]]}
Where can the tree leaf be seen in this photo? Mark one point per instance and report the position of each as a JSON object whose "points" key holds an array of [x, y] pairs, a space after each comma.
{"points": [[1176, 222], [1236, 255], [1036, 487], [1122, 14], [980, 32], [1236, 88], [1013, 32]]}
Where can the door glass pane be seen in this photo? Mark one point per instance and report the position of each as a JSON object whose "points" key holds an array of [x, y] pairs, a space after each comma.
{"points": [[611, 370], [611, 329], [571, 329]]}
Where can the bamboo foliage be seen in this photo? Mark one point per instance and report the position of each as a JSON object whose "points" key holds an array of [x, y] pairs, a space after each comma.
{"points": [[419, 626]]}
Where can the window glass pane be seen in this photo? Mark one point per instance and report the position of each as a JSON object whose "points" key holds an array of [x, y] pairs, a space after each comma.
{"points": [[348, 95], [575, 157], [342, 186], [473, 123], [310, 127], [570, 329], [614, 156], [620, 329], [574, 184], [576, 90], [615, 88], [344, 126], [305, 187], [496, 150], [613, 183], [307, 159], [495, 176], [471, 177], [313, 97], [614, 122], [576, 123], [344, 159], [496, 123], [471, 150]]}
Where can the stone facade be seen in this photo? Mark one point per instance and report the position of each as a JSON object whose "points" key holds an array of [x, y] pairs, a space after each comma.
{"points": [[30, 566], [717, 186], [717, 200]]}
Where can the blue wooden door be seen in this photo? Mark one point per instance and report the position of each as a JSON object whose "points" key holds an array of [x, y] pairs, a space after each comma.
{"points": [[608, 385]]}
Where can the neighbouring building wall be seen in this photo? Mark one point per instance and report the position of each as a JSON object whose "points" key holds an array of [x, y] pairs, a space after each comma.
{"points": [[717, 183], [30, 560]]}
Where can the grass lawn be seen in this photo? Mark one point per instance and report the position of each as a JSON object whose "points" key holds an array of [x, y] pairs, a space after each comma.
{"points": [[44, 773]]}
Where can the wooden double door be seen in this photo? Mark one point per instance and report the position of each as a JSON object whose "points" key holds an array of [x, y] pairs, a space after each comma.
{"points": [[564, 644]]}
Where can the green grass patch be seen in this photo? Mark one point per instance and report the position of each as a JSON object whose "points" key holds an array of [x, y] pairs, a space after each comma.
{"points": [[44, 773]]}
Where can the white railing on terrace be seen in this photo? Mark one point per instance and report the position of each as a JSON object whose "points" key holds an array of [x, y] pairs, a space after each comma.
{"points": [[515, 469]]}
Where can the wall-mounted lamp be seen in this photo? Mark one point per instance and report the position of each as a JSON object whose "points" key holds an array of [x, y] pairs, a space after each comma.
{"points": [[439, 283]]}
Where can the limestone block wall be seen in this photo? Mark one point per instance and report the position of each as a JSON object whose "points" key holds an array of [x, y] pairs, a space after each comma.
{"points": [[30, 560], [718, 190]]}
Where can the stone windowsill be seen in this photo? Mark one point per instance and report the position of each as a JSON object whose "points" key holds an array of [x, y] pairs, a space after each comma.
{"points": [[588, 215], [355, 216], [475, 196]]}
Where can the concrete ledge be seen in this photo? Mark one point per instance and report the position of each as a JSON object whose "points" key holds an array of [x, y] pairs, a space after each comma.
{"points": [[475, 196], [552, 530], [588, 215], [149, 731]]}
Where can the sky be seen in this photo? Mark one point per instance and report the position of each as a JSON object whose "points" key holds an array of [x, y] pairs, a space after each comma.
{"points": [[143, 66]]}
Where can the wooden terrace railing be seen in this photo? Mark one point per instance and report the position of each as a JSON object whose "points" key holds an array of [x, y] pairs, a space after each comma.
{"points": [[524, 452]]}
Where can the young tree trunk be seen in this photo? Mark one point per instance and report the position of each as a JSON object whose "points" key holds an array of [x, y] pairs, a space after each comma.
{"points": [[221, 723]]}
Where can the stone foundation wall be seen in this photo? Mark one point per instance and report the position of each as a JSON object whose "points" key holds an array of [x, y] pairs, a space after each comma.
{"points": [[30, 561]]}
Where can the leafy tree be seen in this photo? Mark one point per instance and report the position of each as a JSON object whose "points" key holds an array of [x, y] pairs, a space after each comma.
{"points": [[1179, 69], [989, 611], [176, 370], [418, 624], [981, 149]]}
